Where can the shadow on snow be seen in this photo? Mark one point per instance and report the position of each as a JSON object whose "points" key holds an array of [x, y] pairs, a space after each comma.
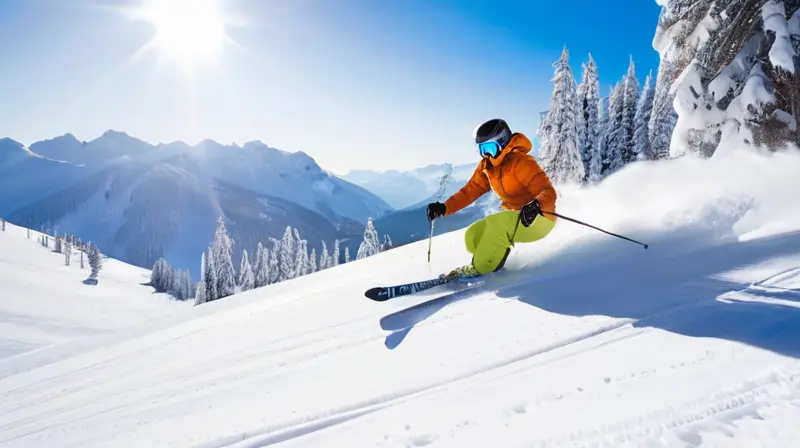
{"points": [[675, 286]]}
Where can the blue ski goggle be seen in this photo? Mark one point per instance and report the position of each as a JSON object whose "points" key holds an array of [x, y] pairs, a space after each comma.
{"points": [[489, 148]]}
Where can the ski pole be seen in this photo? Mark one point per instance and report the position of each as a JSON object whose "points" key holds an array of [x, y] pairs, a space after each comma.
{"points": [[430, 242], [439, 195], [596, 228]]}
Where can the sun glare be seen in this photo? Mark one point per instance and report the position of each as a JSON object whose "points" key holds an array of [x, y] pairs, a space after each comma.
{"points": [[189, 33]]}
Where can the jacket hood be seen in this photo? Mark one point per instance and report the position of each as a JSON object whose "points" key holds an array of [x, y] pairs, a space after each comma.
{"points": [[519, 143]]}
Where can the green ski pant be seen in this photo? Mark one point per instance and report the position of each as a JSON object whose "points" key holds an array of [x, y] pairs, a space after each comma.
{"points": [[489, 239]]}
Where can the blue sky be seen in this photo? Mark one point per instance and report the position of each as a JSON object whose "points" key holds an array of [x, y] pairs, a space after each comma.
{"points": [[354, 83]]}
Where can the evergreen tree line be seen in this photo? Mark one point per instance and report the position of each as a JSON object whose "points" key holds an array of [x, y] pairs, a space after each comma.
{"points": [[286, 259], [64, 245], [585, 137], [67, 244], [175, 282]]}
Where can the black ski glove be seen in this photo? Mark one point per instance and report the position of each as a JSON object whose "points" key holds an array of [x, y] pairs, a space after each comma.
{"points": [[529, 211], [435, 210]]}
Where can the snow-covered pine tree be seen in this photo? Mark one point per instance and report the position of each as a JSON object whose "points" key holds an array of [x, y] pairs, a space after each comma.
{"points": [[560, 153], [175, 288], [223, 261], [663, 116], [95, 260], [2, 225], [156, 274], [262, 266], [257, 263], [312, 261], [274, 262], [67, 252], [210, 276], [187, 283], [371, 244], [347, 254], [324, 258], [589, 116], [336, 253], [58, 248], [301, 257], [387, 243], [630, 100], [613, 137], [596, 164], [735, 73], [641, 140], [246, 277], [200, 293], [287, 255]]}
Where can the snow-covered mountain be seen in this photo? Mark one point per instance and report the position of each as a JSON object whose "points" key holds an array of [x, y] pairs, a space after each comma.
{"points": [[585, 339], [139, 202], [45, 302], [26, 176], [408, 189]]}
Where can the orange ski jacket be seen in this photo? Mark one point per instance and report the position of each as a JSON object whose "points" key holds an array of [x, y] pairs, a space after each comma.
{"points": [[515, 176]]}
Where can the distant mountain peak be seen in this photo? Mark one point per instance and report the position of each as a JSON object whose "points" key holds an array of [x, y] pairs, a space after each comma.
{"points": [[256, 144], [209, 143], [9, 143], [66, 138], [115, 134]]}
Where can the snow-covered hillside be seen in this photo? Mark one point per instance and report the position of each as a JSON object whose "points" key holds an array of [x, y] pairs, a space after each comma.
{"points": [[45, 302], [584, 340]]}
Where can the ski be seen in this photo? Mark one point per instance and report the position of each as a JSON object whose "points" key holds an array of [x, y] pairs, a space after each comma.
{"points": [[384, 293]]}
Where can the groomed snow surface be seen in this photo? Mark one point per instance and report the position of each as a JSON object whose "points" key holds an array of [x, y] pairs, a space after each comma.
{"points": [[585, 340]]}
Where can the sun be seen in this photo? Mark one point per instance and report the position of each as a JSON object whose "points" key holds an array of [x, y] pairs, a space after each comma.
{"points": [[187, 33]]}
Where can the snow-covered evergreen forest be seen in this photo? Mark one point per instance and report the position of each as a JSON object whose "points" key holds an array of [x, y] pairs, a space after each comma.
{"points": [[728, 78], [586, 137], [285, 259]]}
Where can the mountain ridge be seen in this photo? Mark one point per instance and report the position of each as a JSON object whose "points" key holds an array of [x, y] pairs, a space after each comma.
{"points": [[139, 201]]}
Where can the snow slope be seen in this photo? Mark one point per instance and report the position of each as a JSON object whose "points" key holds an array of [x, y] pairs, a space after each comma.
{"points": [[584, 340], [44, 302]]}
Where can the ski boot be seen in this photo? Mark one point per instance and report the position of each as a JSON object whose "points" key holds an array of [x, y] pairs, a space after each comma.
{"points": [[460, 273]]}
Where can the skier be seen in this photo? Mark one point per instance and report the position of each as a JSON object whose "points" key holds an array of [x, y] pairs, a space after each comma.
{"points": [[522, 185]]}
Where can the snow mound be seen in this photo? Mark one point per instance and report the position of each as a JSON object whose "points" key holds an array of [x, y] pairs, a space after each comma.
{"points": [[585, 340]]}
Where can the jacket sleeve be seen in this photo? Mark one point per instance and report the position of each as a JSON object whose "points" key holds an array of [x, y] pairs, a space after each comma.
{"points": [[477, 186], [535, 180]]}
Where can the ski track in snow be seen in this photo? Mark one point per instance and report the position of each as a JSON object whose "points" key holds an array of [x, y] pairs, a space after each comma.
{"points": [[289, 430], [688, 419]]}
